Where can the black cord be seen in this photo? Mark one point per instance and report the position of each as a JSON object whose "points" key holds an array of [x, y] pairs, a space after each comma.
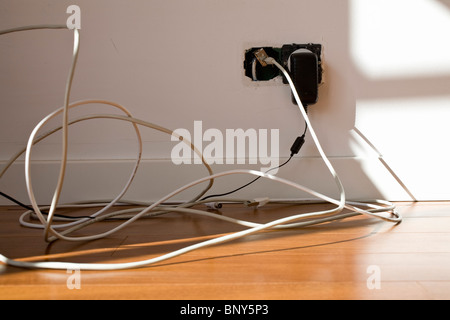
{"points": [[297, 145], [242, 187], [43, 212]]}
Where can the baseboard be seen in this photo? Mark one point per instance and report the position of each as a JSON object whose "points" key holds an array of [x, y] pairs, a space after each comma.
{"points": [[363, 178]]}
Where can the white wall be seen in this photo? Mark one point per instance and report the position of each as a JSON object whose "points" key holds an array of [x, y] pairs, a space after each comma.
{"points": [[387, 73]]}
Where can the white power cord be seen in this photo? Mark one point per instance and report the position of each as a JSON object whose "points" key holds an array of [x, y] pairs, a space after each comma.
{"points": [[374, 209], [222, 239]]}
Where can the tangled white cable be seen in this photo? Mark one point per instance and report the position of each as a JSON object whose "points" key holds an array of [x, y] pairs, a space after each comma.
{"points": [[376, 208]]}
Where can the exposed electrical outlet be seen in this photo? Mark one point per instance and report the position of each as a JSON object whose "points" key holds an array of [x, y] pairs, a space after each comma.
{"points": [[255, 70], [303, 62]]}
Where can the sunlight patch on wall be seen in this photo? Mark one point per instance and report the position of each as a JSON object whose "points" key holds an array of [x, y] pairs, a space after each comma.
{"points": [[400, 38], [412, 135]]}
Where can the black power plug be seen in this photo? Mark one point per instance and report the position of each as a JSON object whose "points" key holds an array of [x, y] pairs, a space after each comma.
{"points": [[303, 68], [304, 65]]}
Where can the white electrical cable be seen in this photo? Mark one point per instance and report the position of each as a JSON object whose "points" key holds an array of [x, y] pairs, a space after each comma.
{"points": [[47, 223], [222, 239], [89, 117], [254, 62], [60, 182], [34, 27], [101, 116], [271, 60], [53, 207], [50, 233]]}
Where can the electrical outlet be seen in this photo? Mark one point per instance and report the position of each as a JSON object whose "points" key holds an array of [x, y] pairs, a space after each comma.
{"points": [[255, 70], [302, 61]]}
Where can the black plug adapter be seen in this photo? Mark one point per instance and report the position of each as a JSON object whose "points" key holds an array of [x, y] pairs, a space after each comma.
{"points": [[305, 64], [304, 71]]}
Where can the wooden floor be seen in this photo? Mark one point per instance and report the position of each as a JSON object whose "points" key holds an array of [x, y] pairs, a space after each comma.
{"points": [[338, 260]]}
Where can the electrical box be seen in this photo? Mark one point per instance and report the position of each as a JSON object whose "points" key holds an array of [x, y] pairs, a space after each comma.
{"points": [[302, 61]]}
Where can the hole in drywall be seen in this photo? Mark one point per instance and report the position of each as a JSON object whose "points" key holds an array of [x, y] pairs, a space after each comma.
{"points": [[255, 70]]}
